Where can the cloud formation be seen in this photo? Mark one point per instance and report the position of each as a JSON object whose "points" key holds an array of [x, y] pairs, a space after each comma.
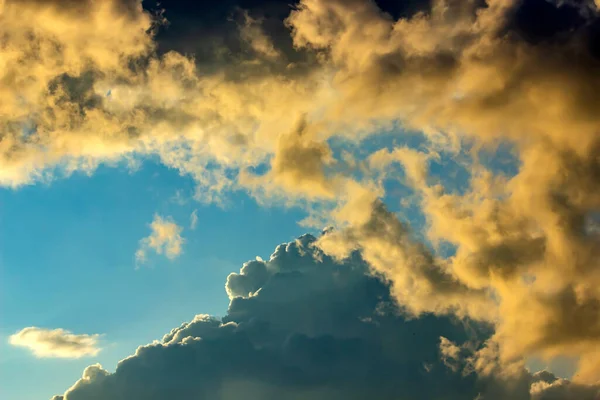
{"points": [[518, 268], [301, 325], [165, 238], [480, 74], [73, 103], [90, 82], [58, 343]]}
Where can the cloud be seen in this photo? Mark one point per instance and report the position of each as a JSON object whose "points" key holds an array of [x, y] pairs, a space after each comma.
{"points": [[543, 385], [73, 103], [165, 238], [509, 266], [252, 33], [303, 325], [511, 241], [463, 70], [63, 96], [58, 343], [194, 219], [420, 281], [298, 166], [555, 389]]}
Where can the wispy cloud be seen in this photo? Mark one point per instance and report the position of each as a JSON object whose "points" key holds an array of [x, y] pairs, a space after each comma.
{"points": [[58, 343], [194, 219]]}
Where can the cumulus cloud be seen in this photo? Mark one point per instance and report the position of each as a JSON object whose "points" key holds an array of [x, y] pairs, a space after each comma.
{"points": [[165, 238], [542, 385], [58, 343], [301, 325]]}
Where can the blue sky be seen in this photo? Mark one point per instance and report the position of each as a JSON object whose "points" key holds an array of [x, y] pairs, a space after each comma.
{"points": [[67, 260]]}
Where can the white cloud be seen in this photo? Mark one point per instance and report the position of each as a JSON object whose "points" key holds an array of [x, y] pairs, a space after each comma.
{"points": [[165, 238], [58, 343]]}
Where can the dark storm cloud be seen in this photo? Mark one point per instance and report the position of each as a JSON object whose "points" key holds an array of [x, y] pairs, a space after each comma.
{"points": [[303, 326], [311, 329]]}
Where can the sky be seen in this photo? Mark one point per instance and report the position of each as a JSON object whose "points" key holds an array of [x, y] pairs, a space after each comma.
{"points": [[324, 199], [69, 261]]}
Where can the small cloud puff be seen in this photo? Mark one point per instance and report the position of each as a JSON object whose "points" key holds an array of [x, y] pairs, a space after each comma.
{"points": [[58, 343], [165, 238]]}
